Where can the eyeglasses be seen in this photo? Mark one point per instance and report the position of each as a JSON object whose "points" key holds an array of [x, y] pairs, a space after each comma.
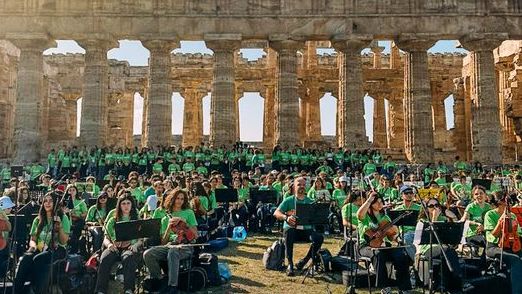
{"points": [[433, 206]]}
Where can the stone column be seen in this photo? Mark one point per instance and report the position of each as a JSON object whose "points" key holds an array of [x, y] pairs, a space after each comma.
{"points": [[351, 132], [460, 138], [93, 124], [29, 99], [287, 98], [396, 122], [395, 56], [238, 95], [379, 123], [418, 122], [192, 117], [313, 118], [486, 129], [223, 120], [158, 126], [377, 56], [268, 117]]}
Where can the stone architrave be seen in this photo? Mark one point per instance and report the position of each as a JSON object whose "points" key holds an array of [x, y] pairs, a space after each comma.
{"points": [[94, 116], [223, 120], [351, 132], [193, 116], [486, 131], [158, 124], [418, 123], [287, 97], [29, 99]]}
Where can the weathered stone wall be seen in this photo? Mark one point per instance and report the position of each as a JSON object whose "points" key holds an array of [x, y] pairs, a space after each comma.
{"points": [[8, 69]]}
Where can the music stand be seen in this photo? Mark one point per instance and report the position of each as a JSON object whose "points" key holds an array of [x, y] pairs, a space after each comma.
{"points": [[111, 203], [409, 220], [482, 182], [91, 201], [263, 196], [226, 195], [137, 229]]}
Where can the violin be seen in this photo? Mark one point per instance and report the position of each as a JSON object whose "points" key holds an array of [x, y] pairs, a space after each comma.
{"points": [[510, 239], [386, 229], [4, 226], [184, 234]]}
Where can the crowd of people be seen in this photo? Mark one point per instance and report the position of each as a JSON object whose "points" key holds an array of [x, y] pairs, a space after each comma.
{"points": [[79, 195]]}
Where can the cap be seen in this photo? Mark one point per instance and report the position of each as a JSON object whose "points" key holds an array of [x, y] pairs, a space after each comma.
{"points": [[343, 179], [274, 172], [6, 202], [405, 189]]}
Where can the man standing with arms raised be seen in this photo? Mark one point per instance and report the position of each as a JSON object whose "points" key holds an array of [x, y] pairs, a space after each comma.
{"points": [[293, 232]]}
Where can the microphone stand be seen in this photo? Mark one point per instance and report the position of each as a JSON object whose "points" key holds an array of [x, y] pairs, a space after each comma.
{"points": [[434, 233], [13, 242]]}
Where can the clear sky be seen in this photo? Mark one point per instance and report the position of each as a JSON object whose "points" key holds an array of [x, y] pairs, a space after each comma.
{"points": [[251, 105]]}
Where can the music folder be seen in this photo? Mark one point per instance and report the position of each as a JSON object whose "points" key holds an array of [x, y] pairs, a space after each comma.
{"points": [[263, 196], [137, 229], [449, 233], [312, 214], [409, 220], [226, 195]]}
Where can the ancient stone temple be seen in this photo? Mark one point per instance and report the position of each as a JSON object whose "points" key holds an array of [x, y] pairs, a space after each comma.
{"points": [[38, 94]]}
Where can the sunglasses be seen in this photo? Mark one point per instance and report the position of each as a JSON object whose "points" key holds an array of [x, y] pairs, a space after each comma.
{"points": [[433, 206]]}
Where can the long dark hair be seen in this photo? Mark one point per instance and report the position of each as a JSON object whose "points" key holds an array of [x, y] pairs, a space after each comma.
{"points": [[98, 204], [126, 195], [42, 214], [372, 216], [170, 200]]}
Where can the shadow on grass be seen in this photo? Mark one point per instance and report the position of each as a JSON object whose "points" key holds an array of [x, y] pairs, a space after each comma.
{"points": [[227, 260], [246, 282], [261, 246]]}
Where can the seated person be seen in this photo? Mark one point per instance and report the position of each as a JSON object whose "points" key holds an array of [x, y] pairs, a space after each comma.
{"points": [[178, 214], [292, 232], [494, 222], [475, 212], [6, 205], [95, 220], [452, 280], [49, 235], [77, 209], [128, 251], [370, 216]]}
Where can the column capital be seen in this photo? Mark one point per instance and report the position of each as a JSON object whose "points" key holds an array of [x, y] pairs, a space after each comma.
{"points": [[482, 42], [31, 41], [352, 45], [223, 42], [286, 45], [414, 42], [93, 44], [160, 45]]}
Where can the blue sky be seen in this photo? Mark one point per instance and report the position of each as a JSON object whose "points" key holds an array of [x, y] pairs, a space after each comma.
{"points": [[251, 105]]}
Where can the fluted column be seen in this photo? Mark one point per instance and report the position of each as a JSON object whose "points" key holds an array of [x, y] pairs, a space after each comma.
{"points": [[351, 132], [223, 120], [268, 117], [379, 123], [418, 123], [239, 95], [158, 126], [460, 137], [313, 118], [94, 115], [396, 122], [29, 98], [377, 56], [193, 116], [287, 98], [486, 129]]}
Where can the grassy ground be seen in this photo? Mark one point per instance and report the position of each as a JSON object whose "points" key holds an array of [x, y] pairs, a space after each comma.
{"points": [[249, 275]]}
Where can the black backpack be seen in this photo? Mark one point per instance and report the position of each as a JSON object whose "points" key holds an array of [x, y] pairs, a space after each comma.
{"points": [[210, 263], [274, 256]]}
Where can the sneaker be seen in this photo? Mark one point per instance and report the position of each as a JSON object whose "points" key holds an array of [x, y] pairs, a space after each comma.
{"points": [[301, 264], [386, 290], [128, 291], [290, 271]]}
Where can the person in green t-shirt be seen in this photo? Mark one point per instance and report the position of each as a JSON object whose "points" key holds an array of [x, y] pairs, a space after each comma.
{"points": [[77, 209], [494, 224], [47, 230], [188, 166], [95, 220], [340, 191], [349, 211], [292, 232], [370, 216], [180, 219], [128, 251], [474, 213]]}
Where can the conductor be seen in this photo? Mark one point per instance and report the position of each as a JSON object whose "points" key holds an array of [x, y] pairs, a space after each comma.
{"points": [[293, 232]]}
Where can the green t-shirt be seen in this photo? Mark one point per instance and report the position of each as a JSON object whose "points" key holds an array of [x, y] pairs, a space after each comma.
{"points": [[79, 207], [187, 215], [369, 169], [339, 196], [94, 214], [188, 166], [159, 213], [208, 203], [350, 208], [157, 168], [490, 222], [51, 160], [366, 223], [288, 207], [390, 194], [476, 214], [44, 239]]}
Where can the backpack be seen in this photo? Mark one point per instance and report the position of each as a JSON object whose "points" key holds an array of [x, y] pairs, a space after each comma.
{"points": [[210, 263], [274, 256]]}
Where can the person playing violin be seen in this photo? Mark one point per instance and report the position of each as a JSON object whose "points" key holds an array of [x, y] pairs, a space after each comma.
{"points": [[496, 226], [371, 219], [408, 203], [6, 205], [293, 232]]}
